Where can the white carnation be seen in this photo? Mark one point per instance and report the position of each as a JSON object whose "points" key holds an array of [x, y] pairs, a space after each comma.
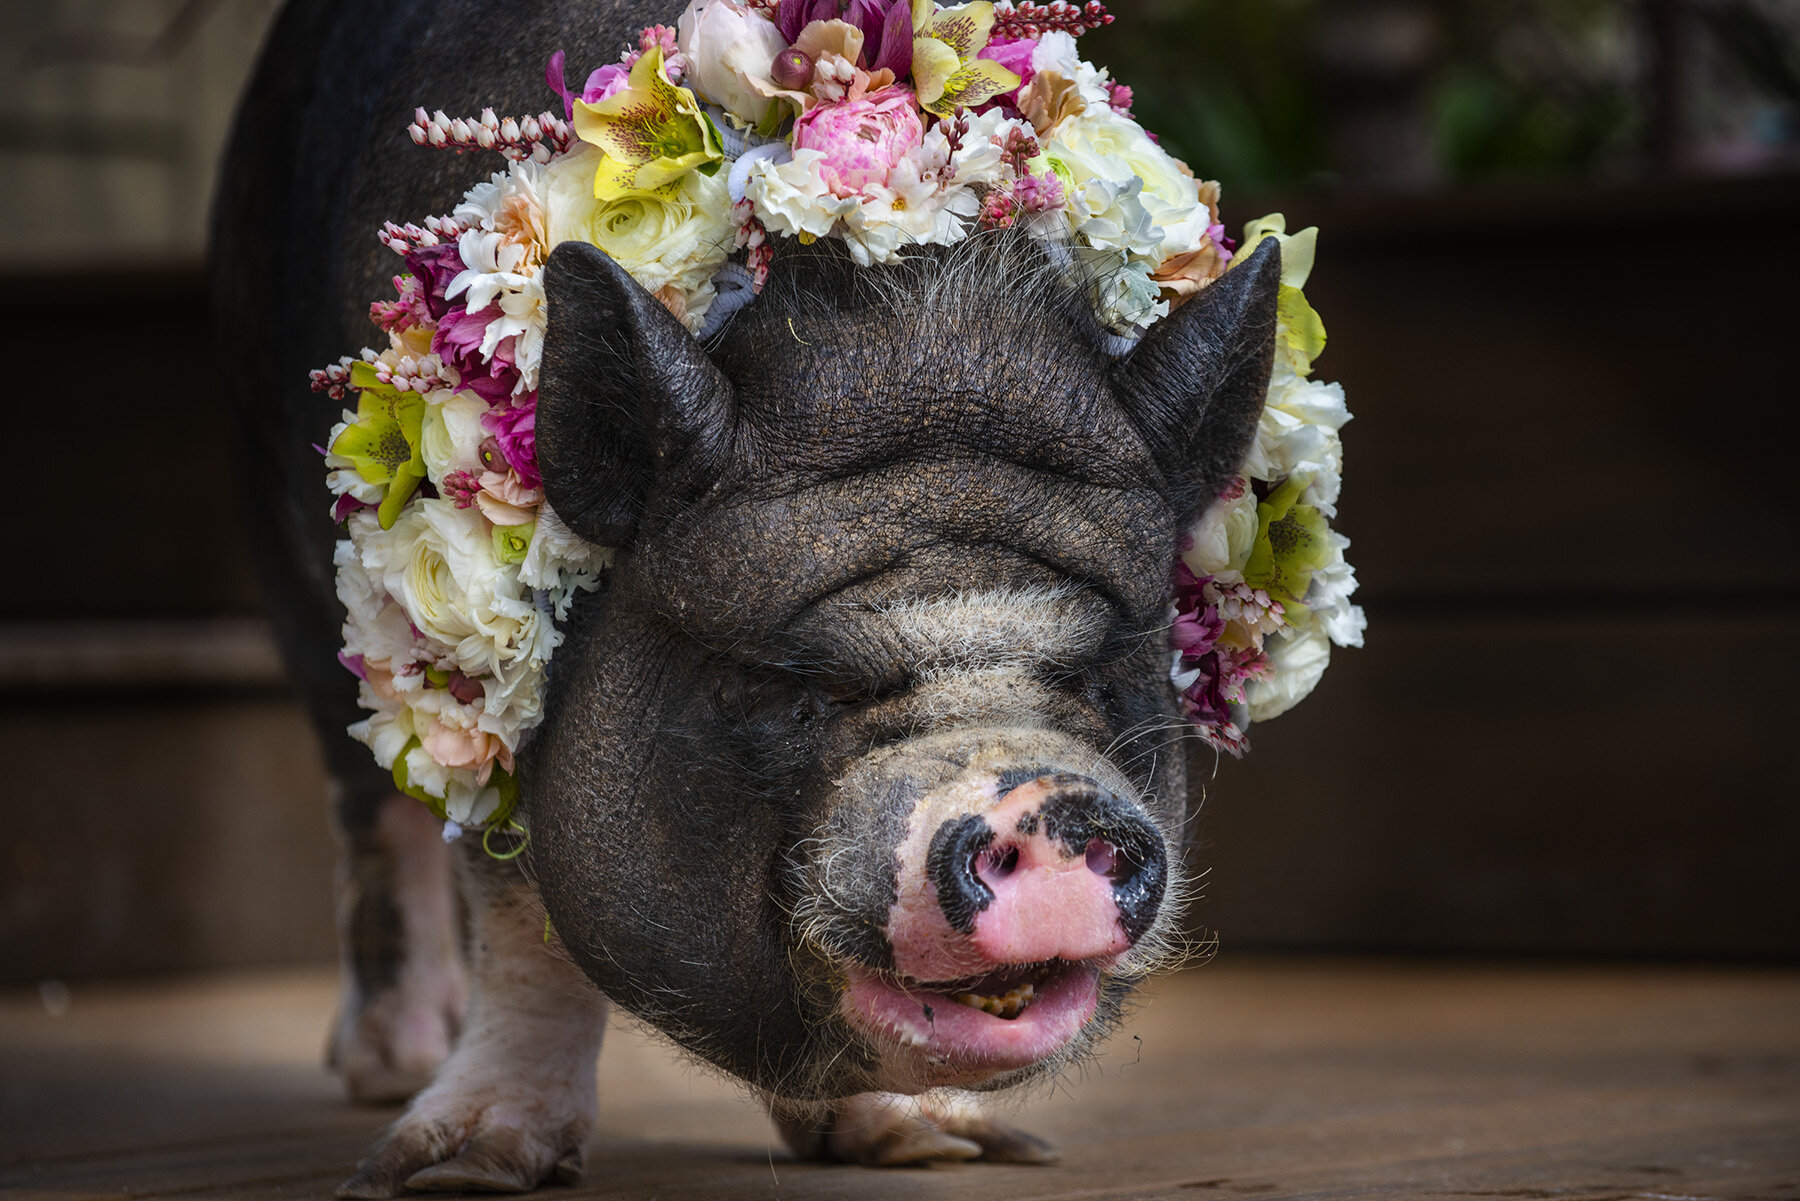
{"points": [[1299, 658], [792, 198]]}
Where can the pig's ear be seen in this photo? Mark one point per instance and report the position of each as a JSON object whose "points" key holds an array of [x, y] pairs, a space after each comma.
{"points": [[624, 392], [1195, 384]]}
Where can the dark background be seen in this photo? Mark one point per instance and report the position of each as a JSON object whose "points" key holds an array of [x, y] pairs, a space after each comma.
{"points": [[1557, 242]]}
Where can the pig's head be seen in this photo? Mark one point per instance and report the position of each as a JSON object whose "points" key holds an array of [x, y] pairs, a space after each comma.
{"points": [[864, 771]]}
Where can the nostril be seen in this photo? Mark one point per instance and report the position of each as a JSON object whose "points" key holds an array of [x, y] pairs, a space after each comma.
{"points": [[996, 863], [1103, 859]]}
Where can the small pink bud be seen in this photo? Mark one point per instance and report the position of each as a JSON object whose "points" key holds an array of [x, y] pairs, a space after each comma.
{"points": [[792, 70]]}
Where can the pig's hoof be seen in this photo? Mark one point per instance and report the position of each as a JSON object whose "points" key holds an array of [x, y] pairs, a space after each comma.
{"points": [[499, 1144], [389, 1046], [886, 1130]]}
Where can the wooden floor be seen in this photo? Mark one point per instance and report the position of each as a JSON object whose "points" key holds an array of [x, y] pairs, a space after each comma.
{"points": [[1275, 1079]]}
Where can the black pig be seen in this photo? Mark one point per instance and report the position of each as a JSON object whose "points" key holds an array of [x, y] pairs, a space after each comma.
{"points": [[857, 777]]}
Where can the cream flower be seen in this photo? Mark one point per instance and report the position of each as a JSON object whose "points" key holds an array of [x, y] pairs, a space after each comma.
{"points": [[727, 46], [1222, 538], [680, 240], [1298, 658], [450, 436], [792, 198], [438, 563], [1101, 144], [561, 562]]}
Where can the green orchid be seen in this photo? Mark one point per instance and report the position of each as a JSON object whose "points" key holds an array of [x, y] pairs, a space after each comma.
{"points": [[651, 133], [946, 74], [1292, 542], [383, 443], [512, 541]]}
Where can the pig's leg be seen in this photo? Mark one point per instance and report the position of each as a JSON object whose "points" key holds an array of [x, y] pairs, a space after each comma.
{"points": [[513, 1105], [890, 1130], [400, 937]]}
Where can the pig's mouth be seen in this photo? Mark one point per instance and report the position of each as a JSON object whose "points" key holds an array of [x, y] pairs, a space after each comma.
{"points": [[970, 1029]]}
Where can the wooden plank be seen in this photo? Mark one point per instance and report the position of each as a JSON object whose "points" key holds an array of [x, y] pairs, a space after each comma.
{"points": [[1279, 1079]]}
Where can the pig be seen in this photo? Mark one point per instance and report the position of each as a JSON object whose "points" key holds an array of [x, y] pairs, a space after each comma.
{"points": [[861, 776]]}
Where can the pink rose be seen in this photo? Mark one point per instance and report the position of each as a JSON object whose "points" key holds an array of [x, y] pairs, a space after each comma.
{"points": [[862, 139]]}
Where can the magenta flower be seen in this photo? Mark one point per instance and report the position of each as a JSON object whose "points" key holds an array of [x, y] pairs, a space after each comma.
{"points": [[514, 426], [458, 342], [434, 267], [887, 30], [1014, 54], [861, 140]]}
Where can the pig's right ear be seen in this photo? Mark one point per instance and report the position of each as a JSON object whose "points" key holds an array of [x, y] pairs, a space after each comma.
{"points": [[624, 393], [1195, 384]]}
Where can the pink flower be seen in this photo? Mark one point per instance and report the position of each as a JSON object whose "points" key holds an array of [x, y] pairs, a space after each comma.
{"points": [[458, 342], [1012, 53], [861, 140], [514, 426]]}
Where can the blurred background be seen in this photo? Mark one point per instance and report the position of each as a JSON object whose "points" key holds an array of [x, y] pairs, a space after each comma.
{"points": [[1557, 242]]}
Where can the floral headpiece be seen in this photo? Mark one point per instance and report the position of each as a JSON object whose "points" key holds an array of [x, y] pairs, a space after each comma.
{"points": [[888, 124]]}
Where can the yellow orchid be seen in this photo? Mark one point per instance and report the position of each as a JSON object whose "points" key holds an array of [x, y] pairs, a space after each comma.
{"points": [[651, 133], [383, 443], [945, 71], [1299, 334]]}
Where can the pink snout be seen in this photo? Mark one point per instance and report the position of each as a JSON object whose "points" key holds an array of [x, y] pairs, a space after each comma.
{"points": [[1061, 869]]}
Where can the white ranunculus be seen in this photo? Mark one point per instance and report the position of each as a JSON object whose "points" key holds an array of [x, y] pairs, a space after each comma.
{"points": [[726, 45], [1299, 658], [680, 240], [438, 563], [1223, 538], [1102, 144]]}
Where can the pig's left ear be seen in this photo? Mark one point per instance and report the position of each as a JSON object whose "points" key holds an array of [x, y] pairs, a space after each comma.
{"points": [[624, 394], [1195, 384]]}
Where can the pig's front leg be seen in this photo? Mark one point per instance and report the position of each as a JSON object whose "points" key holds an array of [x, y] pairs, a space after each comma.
{"points": [[404, 985], [513, 1105], [885, 1130]]}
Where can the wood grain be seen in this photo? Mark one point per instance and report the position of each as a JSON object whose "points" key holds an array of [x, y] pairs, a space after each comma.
{"points": [[1266, 1078]]}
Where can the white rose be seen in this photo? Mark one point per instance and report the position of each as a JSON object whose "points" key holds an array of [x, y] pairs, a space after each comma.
{"points": [[726, 45], [1223, 538], [1102, 144], [451, 434], [1299, 658], [680, 240]]}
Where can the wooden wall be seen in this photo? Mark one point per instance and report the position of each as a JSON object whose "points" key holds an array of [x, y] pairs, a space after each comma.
{"points": [[1569, 490]]}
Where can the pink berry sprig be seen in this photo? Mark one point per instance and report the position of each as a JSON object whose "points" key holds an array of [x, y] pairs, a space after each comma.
{"points": [[404, 239], [538, 138], [410, 374], [1024, 19], [334, 380]]}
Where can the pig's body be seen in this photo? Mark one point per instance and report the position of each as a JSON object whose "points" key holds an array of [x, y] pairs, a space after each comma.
{"points": [[858, 777]]}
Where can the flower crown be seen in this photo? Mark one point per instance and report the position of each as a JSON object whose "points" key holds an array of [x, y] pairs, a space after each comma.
{"points": [[888, 124]]}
